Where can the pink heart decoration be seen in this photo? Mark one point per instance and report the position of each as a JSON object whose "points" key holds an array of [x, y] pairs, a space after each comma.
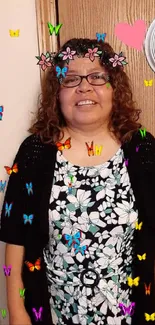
{"points": [[132, 35]]}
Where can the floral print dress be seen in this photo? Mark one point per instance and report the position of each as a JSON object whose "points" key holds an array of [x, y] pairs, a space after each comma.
{"points": [[92, 217]]}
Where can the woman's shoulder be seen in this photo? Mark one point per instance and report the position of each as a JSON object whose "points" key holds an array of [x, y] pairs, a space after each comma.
{"points": [[141, 148], [33, 153]]}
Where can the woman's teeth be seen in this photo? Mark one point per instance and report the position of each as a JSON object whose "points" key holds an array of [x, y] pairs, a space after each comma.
{"points": [[86, 102]]}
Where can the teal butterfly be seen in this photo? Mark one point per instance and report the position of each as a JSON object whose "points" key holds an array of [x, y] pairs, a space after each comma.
{"points": [[2, 186], [71, 239], [1, 112], [28, 218], [54, 29], [61, 71], [29, 188], [101, 37], [80, 249], [8, 209]]}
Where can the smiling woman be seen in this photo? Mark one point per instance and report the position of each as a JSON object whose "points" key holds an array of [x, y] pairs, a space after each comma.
{"points": [[83, 202], [115, 103]]}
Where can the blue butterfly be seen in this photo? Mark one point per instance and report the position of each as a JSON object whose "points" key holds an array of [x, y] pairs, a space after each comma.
{"points": [[80, 249], [61, 71], [74, 238], [1, 112], [8, 209], [29, 188], [28, 218], [101, 36], [2, 186]]}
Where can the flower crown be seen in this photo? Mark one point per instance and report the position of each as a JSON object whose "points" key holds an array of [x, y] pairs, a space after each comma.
{"points": [[108, 59]]}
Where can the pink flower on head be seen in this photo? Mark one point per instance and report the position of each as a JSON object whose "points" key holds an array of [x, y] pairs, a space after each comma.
{"points": [[92, 53], [68, 54], [44, 61], [118, 59]]}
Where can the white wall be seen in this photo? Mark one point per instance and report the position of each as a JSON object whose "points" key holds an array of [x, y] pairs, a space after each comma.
{"points": [[19, 88]]}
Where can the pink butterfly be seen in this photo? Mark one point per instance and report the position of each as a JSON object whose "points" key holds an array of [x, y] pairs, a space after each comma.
{"points": [[127, 310], [38, 314]]}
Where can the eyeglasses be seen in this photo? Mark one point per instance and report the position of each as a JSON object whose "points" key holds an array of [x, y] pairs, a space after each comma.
{"points": [[95, 79]]}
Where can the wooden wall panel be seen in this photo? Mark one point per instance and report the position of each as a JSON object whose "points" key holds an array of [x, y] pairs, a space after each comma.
{"points": [[46, 12], [83, 18]]}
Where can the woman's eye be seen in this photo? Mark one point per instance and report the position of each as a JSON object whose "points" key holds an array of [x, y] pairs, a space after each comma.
{"points": [[70, 79], [97, 76]]}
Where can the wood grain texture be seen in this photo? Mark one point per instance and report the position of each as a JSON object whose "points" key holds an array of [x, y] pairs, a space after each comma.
{"points": [[83, 18], [45, 12]]}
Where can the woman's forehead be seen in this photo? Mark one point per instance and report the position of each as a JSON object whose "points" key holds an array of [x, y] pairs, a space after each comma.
{"points": [[84, 64]]}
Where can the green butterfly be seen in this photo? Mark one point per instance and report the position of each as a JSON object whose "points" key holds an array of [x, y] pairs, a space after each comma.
{"points": [[22, 292], [3, 312], [71, 178], [143, 132], [54, 29]]}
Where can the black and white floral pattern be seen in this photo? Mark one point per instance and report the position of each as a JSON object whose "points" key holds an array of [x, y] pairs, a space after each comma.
{"points": [[90, 253]]}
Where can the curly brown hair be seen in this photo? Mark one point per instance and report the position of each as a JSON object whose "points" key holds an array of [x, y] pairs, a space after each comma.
{"points": [[49, 120]]}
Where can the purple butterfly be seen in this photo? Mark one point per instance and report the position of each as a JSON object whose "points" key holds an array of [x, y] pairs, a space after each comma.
{"points": [[127, 310], [126, 162], [38, 314], [137, 148], [7, 270]]}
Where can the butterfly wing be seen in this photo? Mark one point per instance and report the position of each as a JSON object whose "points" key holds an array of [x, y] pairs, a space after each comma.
{"points": [[83, 249], [131, 309], [69, 239], [130, 282], [38, 264], [31, 216], [26, 218], [51, 28], [8, 170], [103, 37], [67, 144], [136, 281], [15, 168], [123, 308], [91, 149], [30, 266], [64, 71], [139, 257], [60, 146], [57, 28], [1, 109], [58, 70]]}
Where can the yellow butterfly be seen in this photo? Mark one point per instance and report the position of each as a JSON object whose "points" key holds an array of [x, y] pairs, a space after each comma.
{"points": [[139, 226], [149, 317], [14, 33], [133, 282], [148, 82], [142, 257], [98, 150]]}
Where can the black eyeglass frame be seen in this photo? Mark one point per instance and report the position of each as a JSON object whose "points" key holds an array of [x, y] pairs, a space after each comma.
{"points": [[84, 77]]}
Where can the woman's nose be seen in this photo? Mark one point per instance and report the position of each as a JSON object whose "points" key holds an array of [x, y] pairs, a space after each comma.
{"points": [[84, 86]]}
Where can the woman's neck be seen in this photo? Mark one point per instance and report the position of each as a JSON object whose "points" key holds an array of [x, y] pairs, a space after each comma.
{"points": [[81, 136]]}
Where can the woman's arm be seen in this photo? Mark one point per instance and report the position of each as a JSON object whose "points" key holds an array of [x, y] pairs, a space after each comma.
{"points": [[17, 313]]}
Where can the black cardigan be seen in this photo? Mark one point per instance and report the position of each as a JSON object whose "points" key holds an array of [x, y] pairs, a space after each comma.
{"points": [[36, 162]]}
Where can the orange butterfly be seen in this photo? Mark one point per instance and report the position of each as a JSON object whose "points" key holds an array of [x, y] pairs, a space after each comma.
{"points": [[90, 149], [34, 266], [9, 170], [66, 145], [147, 289]]}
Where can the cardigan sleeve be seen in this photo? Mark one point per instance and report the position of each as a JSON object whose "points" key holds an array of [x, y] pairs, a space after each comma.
{"points": [[12, 224]]}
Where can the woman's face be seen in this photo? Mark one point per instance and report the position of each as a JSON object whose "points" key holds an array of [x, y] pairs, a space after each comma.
{"points": [[69, 97]]}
